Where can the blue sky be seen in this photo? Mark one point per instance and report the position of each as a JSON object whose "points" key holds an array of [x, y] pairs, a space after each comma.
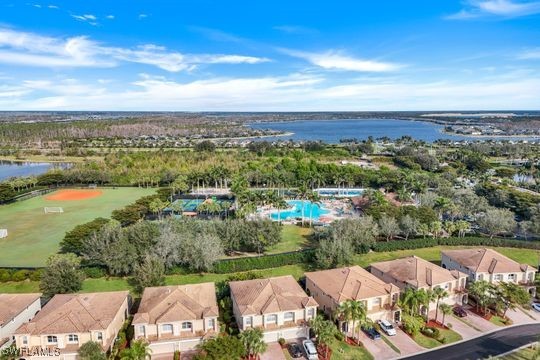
{"points": [[275, 55]]}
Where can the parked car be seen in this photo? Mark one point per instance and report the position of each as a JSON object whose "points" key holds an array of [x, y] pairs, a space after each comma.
{"points": [[310, 349], [387, 327], [536, 306], [459, 311], [295, 350], [372, 333]]}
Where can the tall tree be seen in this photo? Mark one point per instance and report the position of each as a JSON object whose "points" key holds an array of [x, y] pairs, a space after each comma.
{"points": [[62, 275], [253, 340], [138, 350]]}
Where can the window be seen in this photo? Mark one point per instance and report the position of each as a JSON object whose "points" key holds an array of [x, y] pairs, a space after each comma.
{"points": [[498, 277], [167, 328], [480, 277], [142, 329], [311, 313], [24, 340], [187, 325], [248, 321], [99, 336], [272, 318], [51, 339], [512, 277], [73, 339], [377, 302], [289, 316], [211, 323]]}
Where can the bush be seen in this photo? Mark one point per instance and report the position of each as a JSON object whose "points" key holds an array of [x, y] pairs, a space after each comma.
{"points": [[176, 355], [339, 336], [431, 332], [20, 275], [262, 262], [282, 342], [94, 272], [5, 275]]}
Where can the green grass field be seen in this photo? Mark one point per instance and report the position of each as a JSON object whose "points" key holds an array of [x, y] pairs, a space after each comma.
{"points": [[34, 235]]}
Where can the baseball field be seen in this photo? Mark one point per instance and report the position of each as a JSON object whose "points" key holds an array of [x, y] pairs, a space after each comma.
{"points": [[37, 225]]}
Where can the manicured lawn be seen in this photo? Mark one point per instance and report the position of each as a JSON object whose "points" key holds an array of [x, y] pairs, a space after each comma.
{"points": [[34, 235], [523, 354], [429, 343], [497, 320], [344, 351], [292, 238]]}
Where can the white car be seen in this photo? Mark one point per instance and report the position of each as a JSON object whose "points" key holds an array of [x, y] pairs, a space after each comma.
{"points": [[387, 327], [310, 349], [536, 306]]}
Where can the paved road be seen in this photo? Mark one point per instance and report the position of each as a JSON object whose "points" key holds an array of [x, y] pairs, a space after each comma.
{"points": [[484, 346]]}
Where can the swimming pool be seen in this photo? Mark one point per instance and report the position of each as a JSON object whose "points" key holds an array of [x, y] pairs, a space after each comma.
{"points": [[295, 211]]}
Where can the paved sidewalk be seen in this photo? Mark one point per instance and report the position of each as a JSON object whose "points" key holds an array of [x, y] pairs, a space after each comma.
{"points": [[404, 343], [273, 352]]}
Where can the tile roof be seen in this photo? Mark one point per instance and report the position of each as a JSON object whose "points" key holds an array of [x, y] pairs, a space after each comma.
{"points": [[263, 296], [177, 303], [12, 305], [486, 260], [76, 313], [417, 272], [350, 283]]}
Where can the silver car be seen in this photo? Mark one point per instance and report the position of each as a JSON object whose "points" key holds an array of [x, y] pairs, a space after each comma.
{"points": [[310, 349]]}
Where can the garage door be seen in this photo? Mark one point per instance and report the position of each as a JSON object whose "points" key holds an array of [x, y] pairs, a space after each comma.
{"points": [[162, 348], [287, 334]]}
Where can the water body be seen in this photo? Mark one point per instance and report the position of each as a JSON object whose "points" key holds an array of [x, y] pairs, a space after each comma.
{"points": [[296, 211], [10, 169], [331, 131]]}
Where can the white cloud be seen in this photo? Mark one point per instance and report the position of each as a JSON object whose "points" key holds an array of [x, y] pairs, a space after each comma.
{"points": [[295, 29], [499, 8], [109, 17], [29, 49], [53, 7], [295, 92], [143, 16], [332, 60], [530, 54]]}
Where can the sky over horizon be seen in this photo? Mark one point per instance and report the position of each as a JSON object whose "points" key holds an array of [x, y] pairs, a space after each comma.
{"points": [[202, 55]]}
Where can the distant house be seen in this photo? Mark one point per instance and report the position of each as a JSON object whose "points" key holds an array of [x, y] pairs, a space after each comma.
{"points": [[417, 273], [175, 318], [15, 310], [69, 320], [489, 265], [278, 306], [330, 288]]}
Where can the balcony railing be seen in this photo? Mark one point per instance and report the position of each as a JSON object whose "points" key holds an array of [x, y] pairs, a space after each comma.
{"points": [[181, 335]]}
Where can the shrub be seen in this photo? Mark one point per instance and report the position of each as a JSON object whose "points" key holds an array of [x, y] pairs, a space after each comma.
{"points": [[176, 355], [20, 275], [5, 275], [282, 342], [431, 332], [94, 272], [339, 336], [262, 262]]}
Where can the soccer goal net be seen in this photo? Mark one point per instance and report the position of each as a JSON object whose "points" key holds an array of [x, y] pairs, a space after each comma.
{"points": [[49, 210], [3, 233]]}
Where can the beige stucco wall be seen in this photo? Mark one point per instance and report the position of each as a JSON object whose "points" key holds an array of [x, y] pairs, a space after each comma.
{"points": [[109, 334], [8, 329]]}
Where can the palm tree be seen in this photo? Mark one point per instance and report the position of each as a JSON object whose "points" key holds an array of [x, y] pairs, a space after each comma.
{"points": [[324, 330], [438, 294], [303, 194], [445, 309], [315, 199], [254, 343], [138, 350], [482, 292], [344, 314], [425, 298]]}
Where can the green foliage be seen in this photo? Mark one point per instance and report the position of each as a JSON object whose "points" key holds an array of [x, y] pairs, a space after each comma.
{"points": [[412, 325], [253, 340], [138, 350], [6, 192], [91, 350], [62, 275], [262, 262], [221, 348], [72, 242], [151, 272]]}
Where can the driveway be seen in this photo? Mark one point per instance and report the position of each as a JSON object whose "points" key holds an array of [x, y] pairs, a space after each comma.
{"points": [[520, 316], [273, 352], [478, 321], [404, 343], [466, 331], [378, 348]]}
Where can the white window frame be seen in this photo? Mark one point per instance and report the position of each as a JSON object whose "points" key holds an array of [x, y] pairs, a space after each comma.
{"points": [[211, 323], [186, 328], [248, 321], [512, 277], [289, 313], [311, 313], [99, 336], [52, 337], [271, 316], [498, 277], [24, 340], [167, 328], [73, 339]]}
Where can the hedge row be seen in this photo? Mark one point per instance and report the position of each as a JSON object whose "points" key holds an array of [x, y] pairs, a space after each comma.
{"points": [[263, 262], [453, 241]]}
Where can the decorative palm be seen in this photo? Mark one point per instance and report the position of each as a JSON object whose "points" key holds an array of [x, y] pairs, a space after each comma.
{"points": [[438, 294], [445, 309], [324, 330], [138, 350], [254, 343]]}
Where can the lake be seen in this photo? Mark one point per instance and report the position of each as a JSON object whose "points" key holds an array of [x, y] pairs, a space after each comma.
{"points": [[10, 169], [331, 131]]}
